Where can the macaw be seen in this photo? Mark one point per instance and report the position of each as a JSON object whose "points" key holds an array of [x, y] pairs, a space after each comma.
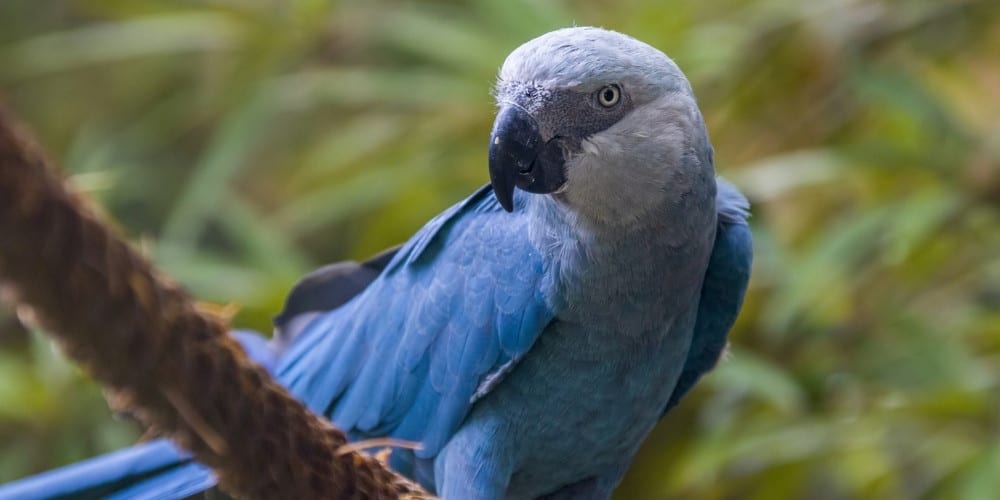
{"points": [[530, 336]]}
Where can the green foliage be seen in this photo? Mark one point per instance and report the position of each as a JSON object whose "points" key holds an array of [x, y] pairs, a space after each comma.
{"points": [[242, 143]]}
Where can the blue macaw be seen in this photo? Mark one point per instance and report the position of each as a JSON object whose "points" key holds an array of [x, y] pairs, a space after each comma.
{"points": [[529, 338]]}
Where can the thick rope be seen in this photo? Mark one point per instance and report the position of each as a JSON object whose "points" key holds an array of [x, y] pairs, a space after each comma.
{"points": [[140, 335]]}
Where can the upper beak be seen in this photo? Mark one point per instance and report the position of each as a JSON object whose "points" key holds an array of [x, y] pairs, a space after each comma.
{"points": [[519, 157]]}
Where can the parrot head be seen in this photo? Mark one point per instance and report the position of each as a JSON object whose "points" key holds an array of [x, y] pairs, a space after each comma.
{"points": [[603, 123]]}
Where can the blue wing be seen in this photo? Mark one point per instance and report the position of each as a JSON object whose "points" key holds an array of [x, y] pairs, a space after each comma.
{"points": [[723, 289], [463, 298]]}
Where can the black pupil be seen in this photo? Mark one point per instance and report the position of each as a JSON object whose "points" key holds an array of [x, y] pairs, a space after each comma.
{"points": [[609, 94]]}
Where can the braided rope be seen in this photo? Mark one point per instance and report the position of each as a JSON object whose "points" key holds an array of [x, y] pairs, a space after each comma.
{"points": [[174, 367]]}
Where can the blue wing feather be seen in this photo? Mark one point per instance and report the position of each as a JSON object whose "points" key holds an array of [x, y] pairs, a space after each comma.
{"points": [[405, 357], [722, 292]]}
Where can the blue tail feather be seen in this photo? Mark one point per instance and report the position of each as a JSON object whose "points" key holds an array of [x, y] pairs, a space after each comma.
{"points": [[153, 470], [101, 476], [180, 482]]}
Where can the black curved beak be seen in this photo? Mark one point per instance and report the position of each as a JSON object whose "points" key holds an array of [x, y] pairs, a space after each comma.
{"points": [[518, 157]]}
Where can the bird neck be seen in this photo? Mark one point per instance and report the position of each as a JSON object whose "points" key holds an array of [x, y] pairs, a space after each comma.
{"points": [[593, 263], [673, 221]]}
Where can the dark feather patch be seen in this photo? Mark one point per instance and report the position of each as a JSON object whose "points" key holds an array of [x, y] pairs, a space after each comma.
{"points": [[328, 288]]}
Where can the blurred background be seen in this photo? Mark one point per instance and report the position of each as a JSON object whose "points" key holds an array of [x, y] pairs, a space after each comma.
{"points": [[241, 143]]}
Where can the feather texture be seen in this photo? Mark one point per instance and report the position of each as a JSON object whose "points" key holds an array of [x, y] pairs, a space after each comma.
{"points": [[405, 358], [722, 292]]}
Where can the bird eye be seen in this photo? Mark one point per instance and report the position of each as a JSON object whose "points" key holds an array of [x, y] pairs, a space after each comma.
{"points": [[609, 95]]}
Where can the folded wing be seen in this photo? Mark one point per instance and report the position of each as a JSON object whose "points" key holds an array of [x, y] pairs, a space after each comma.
{"points": [[404, 358]]}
